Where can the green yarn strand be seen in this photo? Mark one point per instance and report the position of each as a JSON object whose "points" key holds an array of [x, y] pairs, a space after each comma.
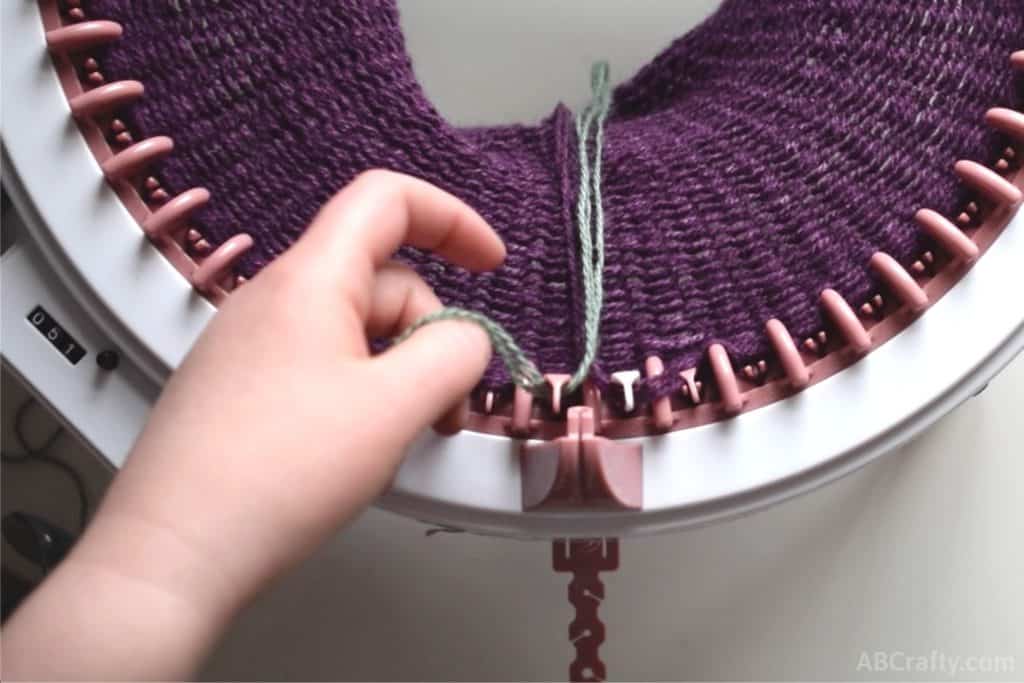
{"points": [[590, 224], [590, 218], [524, 373]]}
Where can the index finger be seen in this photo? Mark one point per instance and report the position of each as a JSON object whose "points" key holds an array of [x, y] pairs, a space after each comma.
{"points": [[380, 211]]}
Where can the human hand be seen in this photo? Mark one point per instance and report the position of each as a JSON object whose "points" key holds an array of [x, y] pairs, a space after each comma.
{"points": [[280, 425]]}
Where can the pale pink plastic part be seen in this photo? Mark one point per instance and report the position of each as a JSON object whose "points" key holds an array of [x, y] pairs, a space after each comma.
{"points": [[789, 357], [613, 471], [900, 282], [950, 237], [216, 264], [522, 410], [1017, 59], [592, 400], [105, 98], [661, 408], [690, 388], [846, 321], [174, 213], [627, 378], [582, 469], [549, 472], [134, 159], [557, 382], [1007, 120], [988, 182], [87, 34], [725, 378], [489, 402]]}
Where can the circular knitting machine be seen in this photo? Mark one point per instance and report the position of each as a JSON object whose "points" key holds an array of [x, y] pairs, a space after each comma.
{"points": [[811, 245], [699, 414]]}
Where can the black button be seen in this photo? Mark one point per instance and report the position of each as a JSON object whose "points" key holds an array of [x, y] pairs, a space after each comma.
{"points": [[108, 360]]}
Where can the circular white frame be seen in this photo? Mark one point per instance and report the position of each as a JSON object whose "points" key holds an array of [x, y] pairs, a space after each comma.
{"points": [[471, 481]]}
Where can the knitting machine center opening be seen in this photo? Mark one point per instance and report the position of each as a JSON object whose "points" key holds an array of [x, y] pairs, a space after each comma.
{"points": [[538, 51]]}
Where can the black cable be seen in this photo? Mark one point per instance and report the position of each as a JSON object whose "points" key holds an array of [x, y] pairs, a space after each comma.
{"points": [[39, 454]]}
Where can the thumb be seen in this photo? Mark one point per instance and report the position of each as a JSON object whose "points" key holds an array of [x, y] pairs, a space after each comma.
{"points": [[431, 371]]}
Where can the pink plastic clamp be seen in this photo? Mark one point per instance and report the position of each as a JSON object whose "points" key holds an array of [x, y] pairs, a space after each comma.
{"points": [[582, 469]]}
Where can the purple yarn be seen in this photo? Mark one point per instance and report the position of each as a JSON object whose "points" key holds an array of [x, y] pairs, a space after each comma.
{"points": [[756, 161]]}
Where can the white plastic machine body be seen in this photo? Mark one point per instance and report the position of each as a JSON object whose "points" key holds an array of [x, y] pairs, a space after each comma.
{"points": [[87, 263]]}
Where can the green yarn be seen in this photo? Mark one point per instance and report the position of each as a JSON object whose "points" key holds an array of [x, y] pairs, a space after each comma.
{"points": [[590, 219], [590, 223], [523, 371]]}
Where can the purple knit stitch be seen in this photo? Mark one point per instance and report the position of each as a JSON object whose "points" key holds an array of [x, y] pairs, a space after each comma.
{"points": [[756, 161]]}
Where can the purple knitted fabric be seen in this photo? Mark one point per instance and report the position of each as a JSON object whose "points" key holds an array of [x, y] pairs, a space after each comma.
{"points": [[758, 160]]}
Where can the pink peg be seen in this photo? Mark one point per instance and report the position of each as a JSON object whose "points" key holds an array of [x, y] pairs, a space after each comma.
{"points": [[846, 321], [725, 378], [205, 277], [1017, 59], [105, 98], [1006, 120], [488, 397], [988, 182], [900, 282], [83, 36], [661, 408], [557, 382], [174, 213], [522, 411], [946, 234], [691, 387], [626, 379], [790, 359], [129, 161]]}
